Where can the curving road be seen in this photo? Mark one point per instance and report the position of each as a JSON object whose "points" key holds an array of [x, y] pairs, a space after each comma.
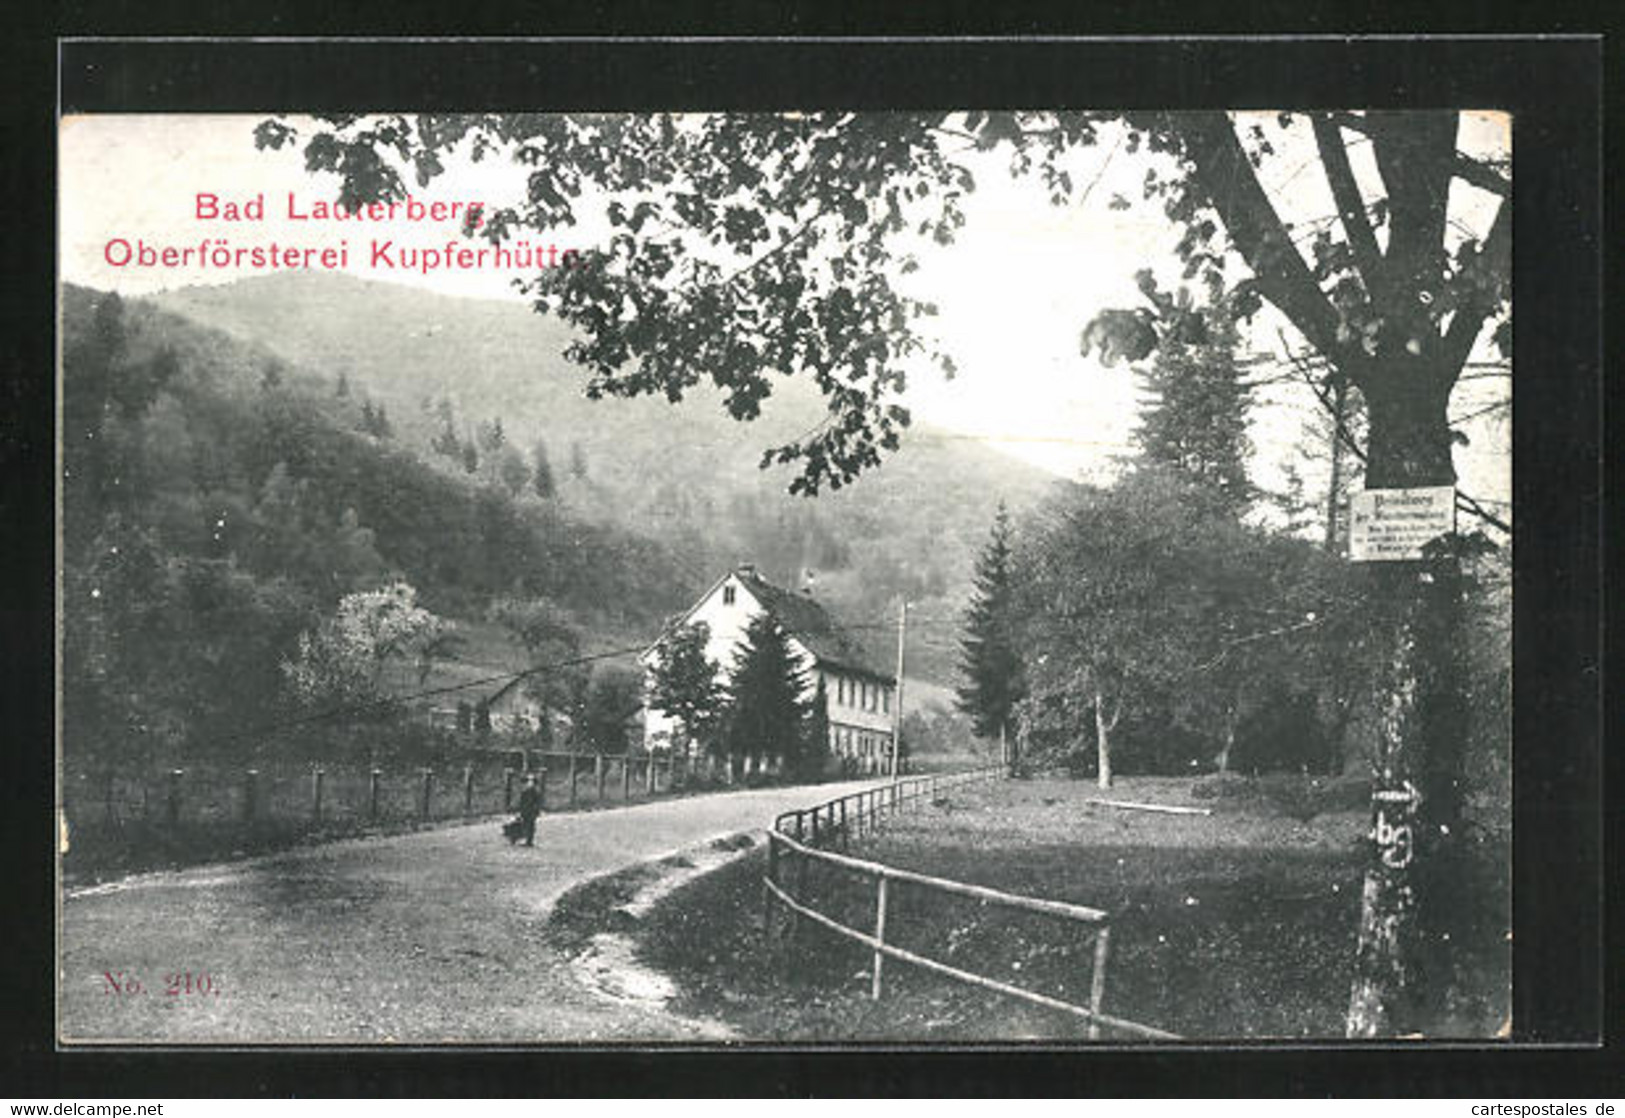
{"points": [[418, 938]]}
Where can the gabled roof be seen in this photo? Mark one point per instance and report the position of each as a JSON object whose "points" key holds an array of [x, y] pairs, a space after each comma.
{"points": [[804, 618]]}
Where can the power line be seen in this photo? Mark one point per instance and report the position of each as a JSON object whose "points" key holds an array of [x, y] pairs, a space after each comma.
{"points": [[385, 702]]}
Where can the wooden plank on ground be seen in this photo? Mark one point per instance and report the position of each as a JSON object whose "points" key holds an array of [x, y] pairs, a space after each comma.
{"points": [[1169, 809]]}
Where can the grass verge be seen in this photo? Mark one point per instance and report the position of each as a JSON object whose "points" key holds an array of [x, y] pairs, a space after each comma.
{"points": [[1239, 924]]}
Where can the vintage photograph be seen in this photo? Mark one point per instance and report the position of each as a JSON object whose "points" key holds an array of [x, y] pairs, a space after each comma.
{"points": [[785, 577]]}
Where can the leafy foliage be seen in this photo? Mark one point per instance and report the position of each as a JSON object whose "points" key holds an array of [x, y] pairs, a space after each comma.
{"points": [[746, 245], [685, 683], [208, 524], [340, 663], [606, 701], [1154, 604]]}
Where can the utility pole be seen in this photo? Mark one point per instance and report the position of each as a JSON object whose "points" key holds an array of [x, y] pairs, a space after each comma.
{"points": [[897, 711]]}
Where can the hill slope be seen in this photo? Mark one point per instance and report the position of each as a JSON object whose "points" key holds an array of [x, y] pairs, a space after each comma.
{"points": [[686, 475]]}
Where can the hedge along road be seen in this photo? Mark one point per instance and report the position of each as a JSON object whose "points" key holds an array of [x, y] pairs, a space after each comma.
{"points": [[420, 938]]}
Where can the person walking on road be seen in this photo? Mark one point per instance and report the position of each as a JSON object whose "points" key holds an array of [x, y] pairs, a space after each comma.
{"points": [[530, 806]]}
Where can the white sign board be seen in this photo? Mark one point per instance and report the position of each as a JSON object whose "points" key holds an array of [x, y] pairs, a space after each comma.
{"points": [[1386, 525]]}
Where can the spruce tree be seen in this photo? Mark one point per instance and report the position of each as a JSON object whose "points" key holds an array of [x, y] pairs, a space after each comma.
{"points": [[1196, 422], [765, 711], [814, 738], [542, 478], [990, 656]]}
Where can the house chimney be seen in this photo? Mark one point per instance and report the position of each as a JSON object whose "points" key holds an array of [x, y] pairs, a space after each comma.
{"points": [[746, 569], [808, 577]]}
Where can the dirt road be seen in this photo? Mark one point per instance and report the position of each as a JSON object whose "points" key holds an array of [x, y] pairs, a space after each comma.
{"points": [[419, 938]]}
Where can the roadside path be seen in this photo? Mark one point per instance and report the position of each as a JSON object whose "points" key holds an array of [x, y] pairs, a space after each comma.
{"points": [[418, 938]]}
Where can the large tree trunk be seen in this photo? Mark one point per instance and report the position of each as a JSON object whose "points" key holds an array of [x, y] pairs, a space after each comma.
{"points": [[1406, 384], [1409, 892]]}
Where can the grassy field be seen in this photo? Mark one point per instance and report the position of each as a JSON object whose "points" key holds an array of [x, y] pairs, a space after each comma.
{"points": [[1239, 924]]}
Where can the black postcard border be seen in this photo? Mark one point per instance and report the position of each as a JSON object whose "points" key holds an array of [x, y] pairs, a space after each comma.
{"points": [[1553, 87]]}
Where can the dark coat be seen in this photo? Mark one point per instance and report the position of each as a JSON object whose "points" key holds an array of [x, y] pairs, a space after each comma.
{"points": [[530, 802]]}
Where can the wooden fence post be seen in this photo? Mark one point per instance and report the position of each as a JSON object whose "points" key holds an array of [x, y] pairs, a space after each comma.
{"points": [[801, 890], [649, 775], [769, 901], [507, 789], [541, 785], [250, 794], [372, 792], [468, 789], [572, 780], [428, 790], [626, 777], [1097, 979], [846, 839], [172, 808], [598, 777], [880, 934], [316, 779]]}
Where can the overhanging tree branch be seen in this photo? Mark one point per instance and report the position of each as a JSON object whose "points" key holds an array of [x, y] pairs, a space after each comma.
{"points": [[1462, 333], [1227, 179], [1463, 166], [1346, 193]]}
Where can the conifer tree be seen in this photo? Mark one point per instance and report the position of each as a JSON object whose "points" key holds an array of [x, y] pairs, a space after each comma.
{"points": [[990, 657], [1196, 423], [765, 707], [814, 738], [542, 479]]}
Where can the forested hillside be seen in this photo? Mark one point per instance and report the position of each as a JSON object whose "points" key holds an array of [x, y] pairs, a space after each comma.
{"points": [[483, 388], [219, 501]]}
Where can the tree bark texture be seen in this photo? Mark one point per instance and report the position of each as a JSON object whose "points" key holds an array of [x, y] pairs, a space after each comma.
{"points": [[1405, 371], [1411, 892], [1103, 739]]}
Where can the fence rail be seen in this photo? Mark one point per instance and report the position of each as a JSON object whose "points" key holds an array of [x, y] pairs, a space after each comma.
{"points": [[796, 836], [839, 818], [325, 794]]}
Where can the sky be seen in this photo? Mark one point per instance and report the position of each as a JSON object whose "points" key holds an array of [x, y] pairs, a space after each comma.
{"points": [[1014, 290]]}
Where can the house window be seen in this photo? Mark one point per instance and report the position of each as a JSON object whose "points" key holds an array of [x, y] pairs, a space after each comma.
{"points": [[728, 595]]}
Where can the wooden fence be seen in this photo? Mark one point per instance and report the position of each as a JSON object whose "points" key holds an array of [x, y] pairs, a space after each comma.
{"points": [[484, 783], [800, 838]]}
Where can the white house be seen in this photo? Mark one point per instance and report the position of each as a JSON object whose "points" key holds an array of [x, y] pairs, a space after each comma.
{"points": [[859, 694]]}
